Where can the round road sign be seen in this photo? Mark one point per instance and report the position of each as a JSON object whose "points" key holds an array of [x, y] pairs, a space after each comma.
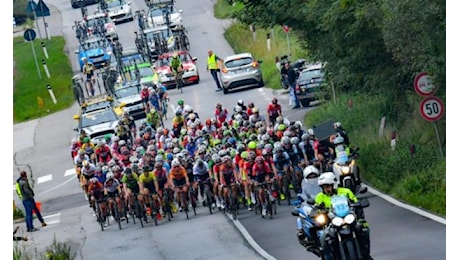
{"points": [[29, 35], [423, 84], [432, 108]]}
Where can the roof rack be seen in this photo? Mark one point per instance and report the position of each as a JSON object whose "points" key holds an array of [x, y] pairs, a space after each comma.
{"points": [[158, 3]]}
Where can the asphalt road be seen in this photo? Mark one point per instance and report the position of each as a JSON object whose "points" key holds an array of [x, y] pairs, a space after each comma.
{"points": [[396, 233]]}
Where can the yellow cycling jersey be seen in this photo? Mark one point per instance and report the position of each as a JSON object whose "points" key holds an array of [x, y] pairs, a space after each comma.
{"points": [[147, 179], [326, 199]]}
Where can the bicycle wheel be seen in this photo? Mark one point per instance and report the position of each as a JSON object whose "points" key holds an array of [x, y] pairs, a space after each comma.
{"points": [[139, 212], [193, 200], [99, 216], [117, 215], [234, 207], [184, 204], [132, 212], [208, 198], [186, 43]]}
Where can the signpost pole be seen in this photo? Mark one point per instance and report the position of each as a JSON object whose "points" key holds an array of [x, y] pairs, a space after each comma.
{"points": [[35, 18], [289, 45], [439, 139]]}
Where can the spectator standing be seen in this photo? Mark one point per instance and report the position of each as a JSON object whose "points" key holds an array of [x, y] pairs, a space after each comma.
{"points": [[214, 68], [26, 194]]}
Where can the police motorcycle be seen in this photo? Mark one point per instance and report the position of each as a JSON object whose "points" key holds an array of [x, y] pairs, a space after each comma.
{"points": [[311, 222], [345, 168], [347, 234]]}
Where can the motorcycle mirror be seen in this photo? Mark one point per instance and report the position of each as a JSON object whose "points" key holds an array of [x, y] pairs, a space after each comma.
{"points": [[364, 203], [311, 201], [362, 190], [295, 213]]}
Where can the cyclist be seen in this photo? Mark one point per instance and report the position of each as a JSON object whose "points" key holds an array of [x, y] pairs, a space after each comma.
{"points": [[161, 173], [178, 123], [112, 190], [96, 193], [88, 147], [130, 181], [88, 71], [228, 178], [200, 174], [282, 166], [103, 153], [261, 173], [87, 172], [148, 186], [274, 111], [179, 181], [145, 97], [153, 118], [176, 68]]}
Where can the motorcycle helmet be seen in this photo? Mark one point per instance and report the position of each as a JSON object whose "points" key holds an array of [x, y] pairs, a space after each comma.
{"points": [[180, 102], [328, 178], [311, 132], [309, 170], [337, 125]]}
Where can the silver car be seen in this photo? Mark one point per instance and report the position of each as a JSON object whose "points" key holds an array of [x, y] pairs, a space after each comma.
{"points": [[240, 70]]}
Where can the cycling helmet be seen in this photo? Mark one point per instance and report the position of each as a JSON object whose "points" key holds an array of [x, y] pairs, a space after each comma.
{"points": [[311, 132], [158, 165], [93, 180], [226, 158], [295, 140], [128, 171], [238, 109], [231, 141], [122, 142], [116, 139], [170, 157], [268, 147], [145, 168], [86, 140], [85, 163], [304, 137], [180, 102], [265, 152], [116, 168], [338, 140], [277, 149], [214, 157], [281, 127], [110, 176], [175, 162], [222, 153], [259, 159], [265, 137], [287, 133], [255, 110], [244, 155], [337, 125], [240, 102], [285, 140], [327, 178], [178, 113], [176, 150], [309, 170], [252, 145]]}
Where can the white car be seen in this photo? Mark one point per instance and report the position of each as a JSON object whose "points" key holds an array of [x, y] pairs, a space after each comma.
{"points": [[119, 10], [156, 16]]}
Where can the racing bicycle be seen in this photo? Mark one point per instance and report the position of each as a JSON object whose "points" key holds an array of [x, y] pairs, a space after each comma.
{"points": [[179, 80]]}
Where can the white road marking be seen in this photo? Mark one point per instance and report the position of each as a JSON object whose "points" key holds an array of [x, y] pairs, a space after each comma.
{"points": [[14, 187], [44, 178], [69, 172], [53, 219]]}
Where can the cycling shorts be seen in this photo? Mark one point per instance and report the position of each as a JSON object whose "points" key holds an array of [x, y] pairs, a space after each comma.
{"points": [[178, 183], [151, 187], [200, 177], [113, 194]]}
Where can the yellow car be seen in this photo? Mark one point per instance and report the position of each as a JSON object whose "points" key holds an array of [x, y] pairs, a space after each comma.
{"points": [[99, 116]]}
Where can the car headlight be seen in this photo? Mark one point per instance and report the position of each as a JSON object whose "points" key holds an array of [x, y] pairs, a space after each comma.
{"points": [[350, 218], [337, 221]]}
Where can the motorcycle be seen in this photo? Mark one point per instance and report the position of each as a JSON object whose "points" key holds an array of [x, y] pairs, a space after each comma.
{"points": [[311, 223], [347, 232], [347, 172]]}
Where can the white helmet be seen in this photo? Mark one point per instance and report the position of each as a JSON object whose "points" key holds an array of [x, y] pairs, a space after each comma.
{"points": [[310, 169], [337, 124], [310, 132], [328, 178], [175, 162], [109, 176]]}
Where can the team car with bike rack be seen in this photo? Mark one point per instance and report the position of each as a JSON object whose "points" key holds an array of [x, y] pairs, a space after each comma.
{"points": [[128, 92], [96, 49], [99, 116]]}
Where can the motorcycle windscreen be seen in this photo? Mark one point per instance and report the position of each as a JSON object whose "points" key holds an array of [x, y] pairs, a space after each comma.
{"points": [[340, 206]]}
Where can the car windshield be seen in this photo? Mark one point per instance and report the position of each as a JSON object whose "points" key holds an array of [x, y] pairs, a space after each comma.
{"points": [[99, 20], [154, 12], [166, 60], [143, 72], [90, 45], [307, 75], [114, 3], [238, 62], [158, 34], [127, 91], [98, 117]]}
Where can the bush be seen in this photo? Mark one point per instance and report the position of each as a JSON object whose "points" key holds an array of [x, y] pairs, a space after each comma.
{"points": [[17, 214]]}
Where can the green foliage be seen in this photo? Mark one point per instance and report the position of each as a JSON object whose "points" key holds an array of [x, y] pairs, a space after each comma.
{"points": [[29, 89], [224, 9], [17, 214], [418, 178], [20, 13], [56, 251], [238, 34]]}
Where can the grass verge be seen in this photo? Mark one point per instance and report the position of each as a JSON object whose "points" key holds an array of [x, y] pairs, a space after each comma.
{"points": [[31, 98]]}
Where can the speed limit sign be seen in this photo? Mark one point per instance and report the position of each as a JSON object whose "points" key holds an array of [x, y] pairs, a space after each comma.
{"points": [[432, 108]]}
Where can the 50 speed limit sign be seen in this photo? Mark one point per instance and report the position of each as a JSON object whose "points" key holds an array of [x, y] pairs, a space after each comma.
{"points": [[432, 108]]}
